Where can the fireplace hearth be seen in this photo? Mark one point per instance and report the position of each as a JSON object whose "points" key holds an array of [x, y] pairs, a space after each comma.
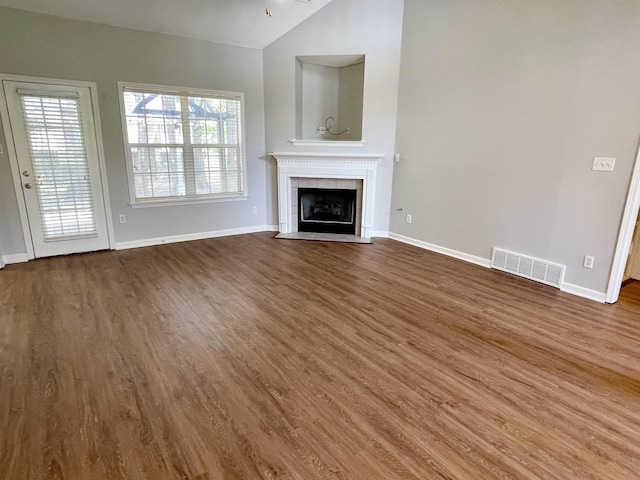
{"points": [[327, 210]]}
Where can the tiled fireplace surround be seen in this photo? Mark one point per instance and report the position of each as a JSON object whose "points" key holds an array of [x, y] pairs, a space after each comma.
{"points": [[331, 171], [330, 184]]}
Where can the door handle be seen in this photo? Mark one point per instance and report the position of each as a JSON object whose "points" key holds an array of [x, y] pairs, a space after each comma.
{"points": [[28, 185]]}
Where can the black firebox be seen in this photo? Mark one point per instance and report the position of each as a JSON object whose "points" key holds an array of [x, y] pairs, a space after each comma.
{"points": [[327, 210]]}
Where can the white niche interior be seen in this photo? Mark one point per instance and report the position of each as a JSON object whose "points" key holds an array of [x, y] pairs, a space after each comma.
{"points": [[329, 93]]}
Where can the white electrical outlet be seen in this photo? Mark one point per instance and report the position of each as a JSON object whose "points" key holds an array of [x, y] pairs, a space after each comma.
{"points": [[588, 261], [396, 158], [409, 218], [603, 164], [122, 218], [254, 210]]}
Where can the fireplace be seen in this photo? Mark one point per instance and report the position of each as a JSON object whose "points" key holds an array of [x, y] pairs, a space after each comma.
{"points": [[335, 171], [327, 210]]}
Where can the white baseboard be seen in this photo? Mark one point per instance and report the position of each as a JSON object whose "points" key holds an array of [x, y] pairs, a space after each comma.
{"points": [[566, 287], [14, 258], [584, 292], [381, 234], [483, 262], [148, 242]]}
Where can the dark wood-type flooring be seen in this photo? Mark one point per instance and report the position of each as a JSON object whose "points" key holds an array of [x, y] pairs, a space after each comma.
{"points": [[252, 358]]}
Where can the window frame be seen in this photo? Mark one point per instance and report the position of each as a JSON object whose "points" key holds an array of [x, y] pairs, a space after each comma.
{"points": [[180, 200]]}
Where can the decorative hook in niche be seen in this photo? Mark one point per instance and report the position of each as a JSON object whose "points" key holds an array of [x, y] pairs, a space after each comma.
{"points": [[328, 126], [268, 9]]}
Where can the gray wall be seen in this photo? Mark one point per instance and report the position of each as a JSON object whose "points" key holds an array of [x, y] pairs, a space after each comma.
{"points": [[11, 238], [320, 93], [52, 47], [350, 103], [502, 106], [343, 27]]}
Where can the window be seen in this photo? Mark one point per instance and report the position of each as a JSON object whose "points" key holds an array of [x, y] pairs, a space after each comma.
{"points": [[182, 146]]}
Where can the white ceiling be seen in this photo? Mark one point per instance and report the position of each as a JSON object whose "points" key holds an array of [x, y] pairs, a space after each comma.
{"points": [[236, 22]]}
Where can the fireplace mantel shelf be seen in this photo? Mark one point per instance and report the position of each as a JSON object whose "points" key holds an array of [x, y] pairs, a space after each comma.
{"points": [[327, 143], [307, 156]]}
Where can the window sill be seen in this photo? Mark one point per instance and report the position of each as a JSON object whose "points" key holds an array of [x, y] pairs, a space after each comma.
{"points": [[186, 201]]}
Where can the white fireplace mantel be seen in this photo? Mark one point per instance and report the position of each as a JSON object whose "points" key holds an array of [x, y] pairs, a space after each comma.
{"points": [[353, 166]]}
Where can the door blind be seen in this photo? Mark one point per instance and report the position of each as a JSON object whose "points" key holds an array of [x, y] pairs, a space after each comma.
{"points": [[59, 160]]}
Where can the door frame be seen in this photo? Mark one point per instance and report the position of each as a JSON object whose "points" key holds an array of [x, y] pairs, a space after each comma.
{"points": [[625, 235], [13, 157]]}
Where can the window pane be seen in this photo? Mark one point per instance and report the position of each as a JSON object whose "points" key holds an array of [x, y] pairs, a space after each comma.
{"points": [[214, 121], [140, 158], [158, 160], [217, 171], [174, 157], [155, 130], [161, 186], [200, 159], [151, 167], [207, 170], [136, 130], [232, 120], [177, 184], [143, 186], [233, 176], [153, 118]]}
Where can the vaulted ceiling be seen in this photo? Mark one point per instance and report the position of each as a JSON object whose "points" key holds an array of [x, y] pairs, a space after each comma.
{"points": [[236, 22]]}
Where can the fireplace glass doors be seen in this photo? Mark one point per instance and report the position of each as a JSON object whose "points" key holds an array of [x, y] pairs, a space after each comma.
{"points": [[327, 210]]}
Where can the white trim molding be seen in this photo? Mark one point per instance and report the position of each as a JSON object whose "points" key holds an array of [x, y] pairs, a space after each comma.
{"points": [[625, 235], [483, 262], [148, 242], [583, 292], [15, 258], [353, 166], [327, 143]]}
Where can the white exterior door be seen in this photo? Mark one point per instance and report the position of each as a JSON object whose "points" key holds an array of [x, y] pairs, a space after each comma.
{"points": [[57, 155]]}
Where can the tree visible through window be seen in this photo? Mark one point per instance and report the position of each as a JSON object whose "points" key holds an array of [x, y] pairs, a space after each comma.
{"points": [[183, 145]]}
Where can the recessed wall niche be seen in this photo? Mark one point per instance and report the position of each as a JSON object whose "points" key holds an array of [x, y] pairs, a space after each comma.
{"points": [[329, 97]]}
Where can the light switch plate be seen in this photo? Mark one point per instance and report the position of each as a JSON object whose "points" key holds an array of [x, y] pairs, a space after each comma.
{"points": [[603, 164]]}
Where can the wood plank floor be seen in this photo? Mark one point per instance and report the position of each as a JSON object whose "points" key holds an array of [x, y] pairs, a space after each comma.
{"points": [[253, 358]]}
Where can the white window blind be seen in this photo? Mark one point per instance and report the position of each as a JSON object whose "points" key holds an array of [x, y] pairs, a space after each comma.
{"points": [[183, 146], [60, 166]]}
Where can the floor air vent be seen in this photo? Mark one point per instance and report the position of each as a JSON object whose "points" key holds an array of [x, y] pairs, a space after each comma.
{"points": [[528, 267]]}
